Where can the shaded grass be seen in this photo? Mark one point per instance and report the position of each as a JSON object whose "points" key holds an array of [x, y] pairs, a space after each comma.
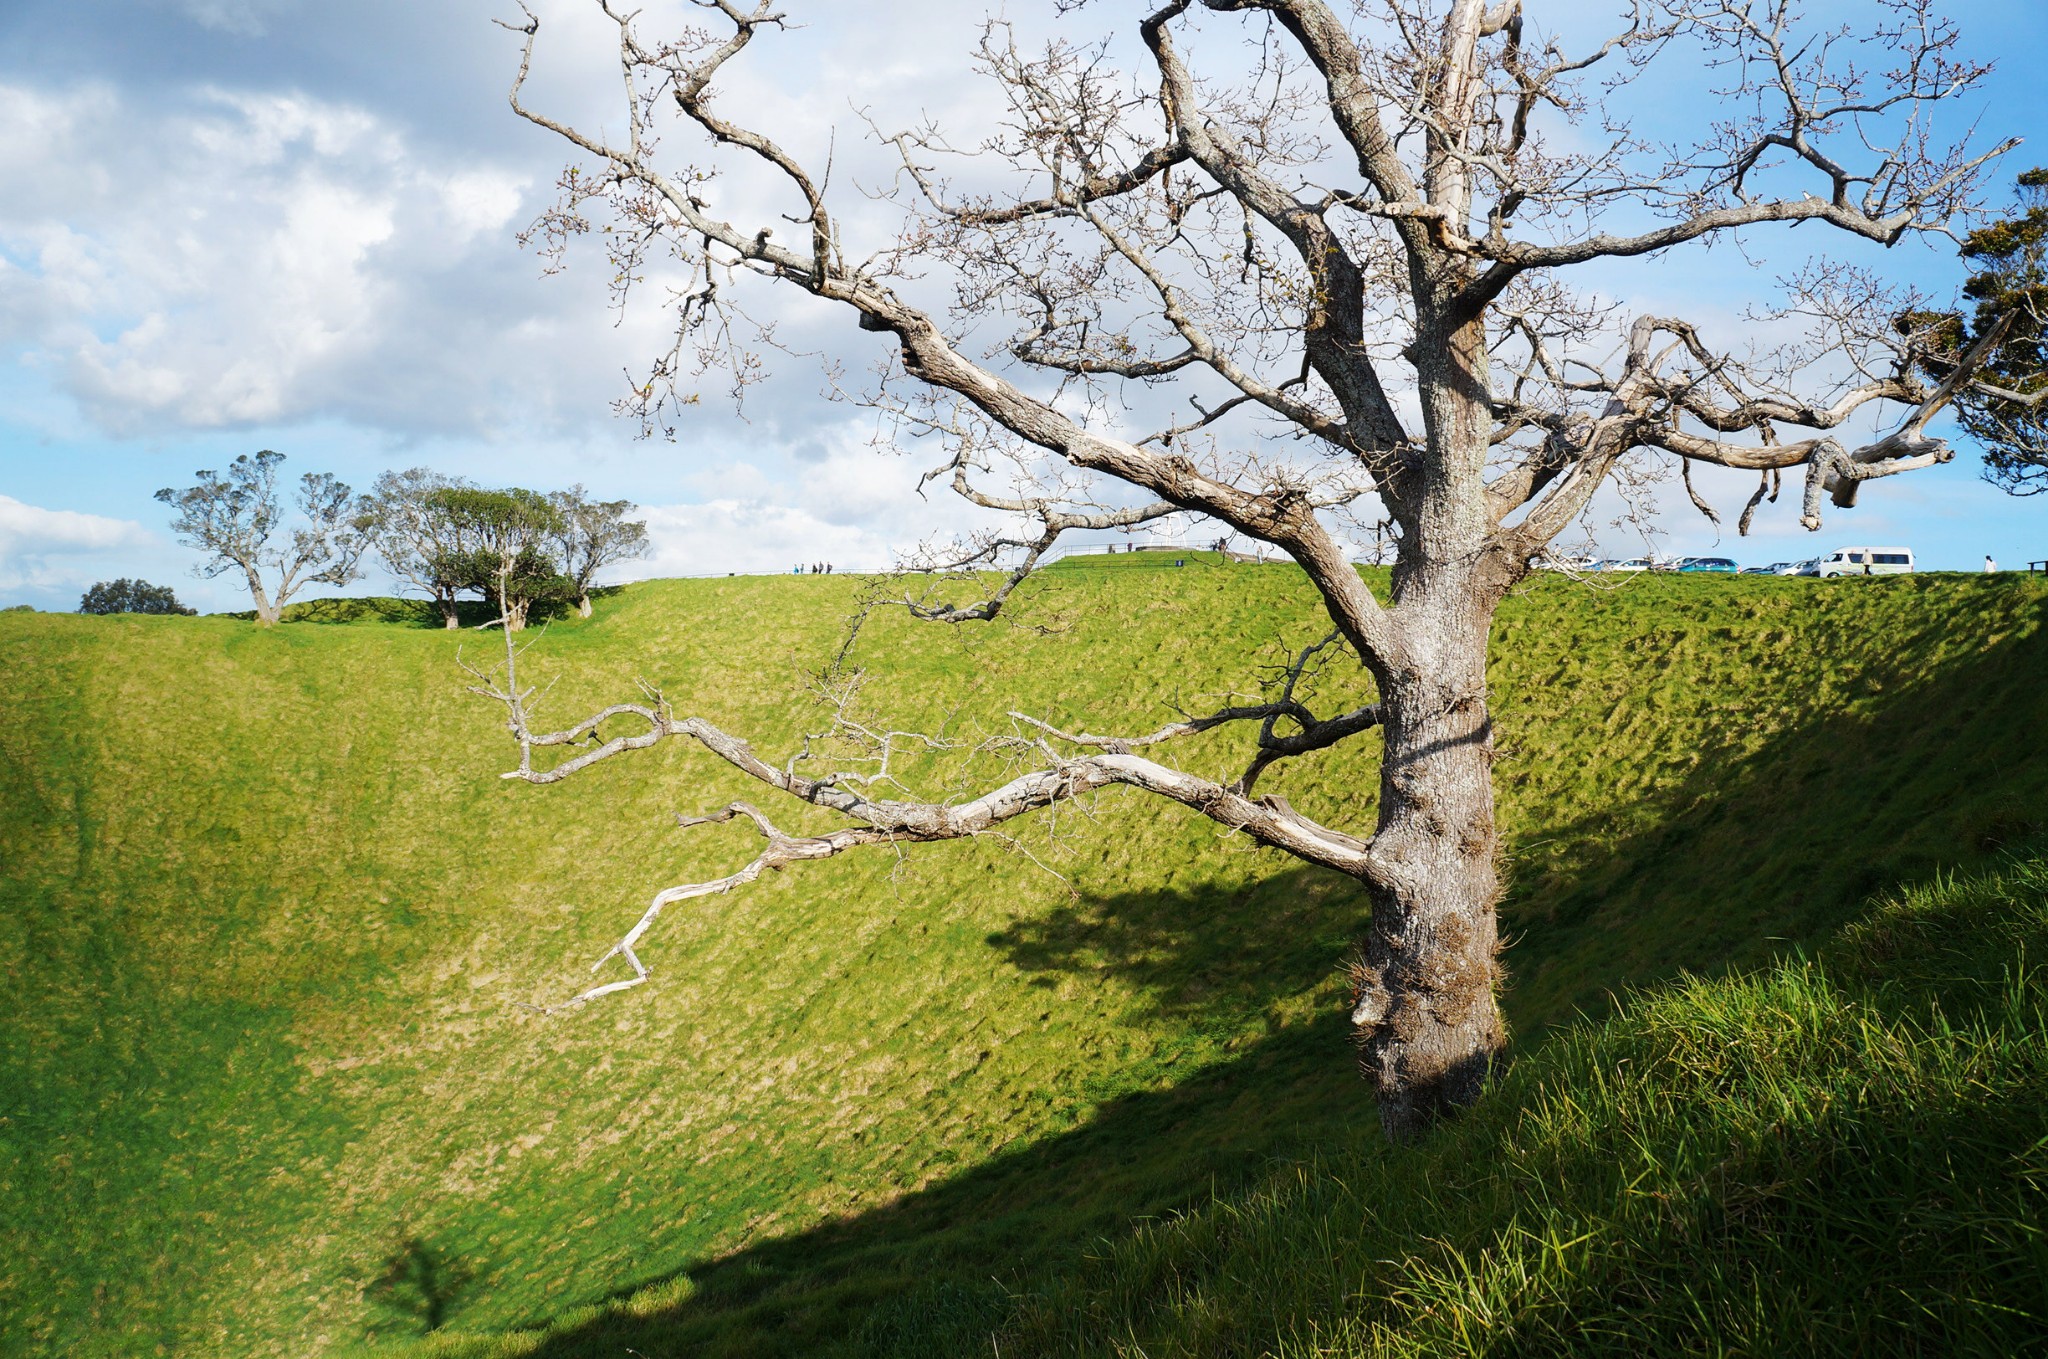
{"points": [[1842, 1155], [269, 914]]}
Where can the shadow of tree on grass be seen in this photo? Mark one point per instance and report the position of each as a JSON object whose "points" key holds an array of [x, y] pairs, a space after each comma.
{"points": [[420, 1282], [1203, 954], [418, 613]]}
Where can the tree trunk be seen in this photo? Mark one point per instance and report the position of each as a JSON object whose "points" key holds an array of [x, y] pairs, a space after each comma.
{"points": [[267, 613], [583, 606], [1424, 1015], [449, 618]]}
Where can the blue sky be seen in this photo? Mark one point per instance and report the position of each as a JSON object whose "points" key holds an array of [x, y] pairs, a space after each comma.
{"points": [[240, 224]]}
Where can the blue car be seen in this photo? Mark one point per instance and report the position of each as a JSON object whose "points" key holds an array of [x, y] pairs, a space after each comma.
{"points": [[1706, 564]]}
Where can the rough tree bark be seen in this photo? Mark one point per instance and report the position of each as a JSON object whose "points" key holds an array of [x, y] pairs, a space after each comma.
{"points": [[1424, 1013], [1199, 232]]}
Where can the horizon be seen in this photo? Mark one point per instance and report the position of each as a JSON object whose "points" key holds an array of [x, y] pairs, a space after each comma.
{"points": [[258, 224]]}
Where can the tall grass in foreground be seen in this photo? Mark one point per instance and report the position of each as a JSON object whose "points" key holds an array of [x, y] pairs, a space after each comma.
{"points": [[1839, 1155]]}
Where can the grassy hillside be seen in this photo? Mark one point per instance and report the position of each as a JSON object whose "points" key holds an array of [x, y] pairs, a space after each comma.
{"points": [[270, 922]]}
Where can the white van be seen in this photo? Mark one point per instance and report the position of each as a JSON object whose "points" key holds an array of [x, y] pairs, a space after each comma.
{"points": [[1866, 561]]}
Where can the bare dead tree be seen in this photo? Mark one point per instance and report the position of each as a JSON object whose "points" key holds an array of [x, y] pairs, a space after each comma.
{"points": [[1352, 253]]}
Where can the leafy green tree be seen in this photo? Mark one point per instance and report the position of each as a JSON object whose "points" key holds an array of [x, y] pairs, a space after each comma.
{"points": [[594, 534], [420, 540], [505, 538], [233, 517], [2005, 409], [131, 596]]}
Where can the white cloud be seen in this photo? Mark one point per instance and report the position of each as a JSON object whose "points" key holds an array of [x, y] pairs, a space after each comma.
{"points": [[26, 529], [248, 258], [751, 537], [843, 502], [243, 18], [52, 553]]}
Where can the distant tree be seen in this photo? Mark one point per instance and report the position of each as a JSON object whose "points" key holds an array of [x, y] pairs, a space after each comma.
{"points": [[506, 536], [594, 534], [19, 608], [418, 538], [131, 596], [2006, 411], [233, 517]]}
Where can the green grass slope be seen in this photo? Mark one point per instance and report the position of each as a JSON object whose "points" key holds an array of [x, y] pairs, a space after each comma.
{"points": [[269, 924]]}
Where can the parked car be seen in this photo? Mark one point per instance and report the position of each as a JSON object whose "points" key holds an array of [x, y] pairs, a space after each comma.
{"points": [[1758, 571], [1809, 567], [1631, 564], [1866, 561], [1706, 564]]}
